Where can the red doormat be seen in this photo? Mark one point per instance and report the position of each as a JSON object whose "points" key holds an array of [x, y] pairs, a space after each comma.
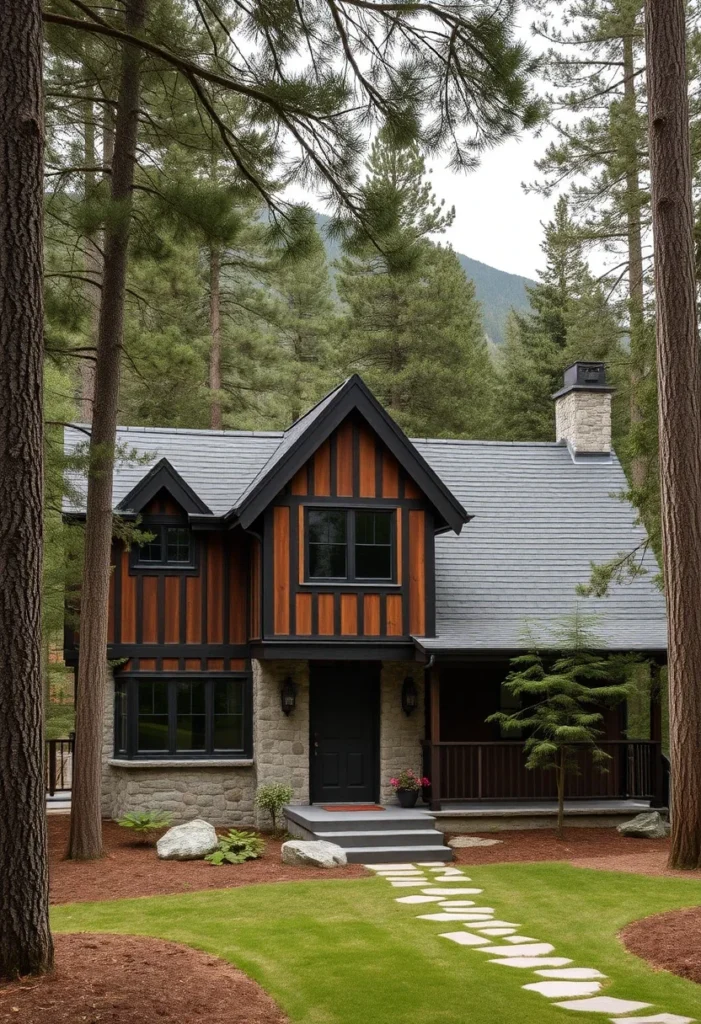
{"points": [[352, 807]]}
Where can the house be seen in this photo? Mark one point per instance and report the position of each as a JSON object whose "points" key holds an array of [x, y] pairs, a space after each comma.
{"points": [[328, 605]]}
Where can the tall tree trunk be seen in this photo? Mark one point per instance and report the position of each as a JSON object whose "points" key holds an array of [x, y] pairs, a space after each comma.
{"points": [[679, 375], [216, 421], [561, 794], [86, 826], [93, 272], [636, 295], [25, 939]]}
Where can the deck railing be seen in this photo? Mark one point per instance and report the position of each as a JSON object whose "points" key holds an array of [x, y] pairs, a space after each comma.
{"points": [[59, 765], [497, 771]]}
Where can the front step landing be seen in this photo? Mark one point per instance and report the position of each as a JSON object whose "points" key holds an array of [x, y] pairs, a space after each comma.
{"points": [[392, 836]]}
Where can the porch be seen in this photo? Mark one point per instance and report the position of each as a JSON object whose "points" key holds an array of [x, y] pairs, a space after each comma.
{"points": [[477, 774]]}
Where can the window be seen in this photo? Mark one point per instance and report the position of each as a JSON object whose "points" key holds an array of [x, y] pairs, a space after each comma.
{"points": [[373, 545], [182, 717], [350, 545], [171, 546], [328, 547]]}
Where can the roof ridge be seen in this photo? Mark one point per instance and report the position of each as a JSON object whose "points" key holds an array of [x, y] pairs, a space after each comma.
{"points": [[187, 430]]}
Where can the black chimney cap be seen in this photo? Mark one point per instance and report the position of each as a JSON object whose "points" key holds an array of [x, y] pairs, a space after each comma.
{"points": [[584, 376]]}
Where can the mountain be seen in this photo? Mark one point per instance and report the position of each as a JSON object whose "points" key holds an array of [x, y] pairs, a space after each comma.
{"points": [[497, 291]]}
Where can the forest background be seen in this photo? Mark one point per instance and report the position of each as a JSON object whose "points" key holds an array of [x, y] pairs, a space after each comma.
{"points": [[228, 325]]}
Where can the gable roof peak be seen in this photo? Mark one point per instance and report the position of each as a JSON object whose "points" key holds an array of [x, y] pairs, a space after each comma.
{"points": [[307, 433]]}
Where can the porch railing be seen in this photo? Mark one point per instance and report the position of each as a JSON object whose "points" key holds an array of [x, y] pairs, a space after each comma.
{"points": [[497, 771], [59, 765]]}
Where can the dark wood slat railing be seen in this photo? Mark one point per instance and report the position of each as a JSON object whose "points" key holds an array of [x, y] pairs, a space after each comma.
{"points": [[497, 771], [59, 765]]}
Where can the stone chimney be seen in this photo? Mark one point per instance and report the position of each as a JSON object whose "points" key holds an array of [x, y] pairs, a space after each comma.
{"points": [[583, 410]]}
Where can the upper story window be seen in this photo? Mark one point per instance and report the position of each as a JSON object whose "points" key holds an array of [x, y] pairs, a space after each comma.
{"points": [[171, 546], [350, 545]]}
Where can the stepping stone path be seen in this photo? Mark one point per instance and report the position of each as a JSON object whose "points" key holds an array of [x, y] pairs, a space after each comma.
{"points": [[577, 985]]}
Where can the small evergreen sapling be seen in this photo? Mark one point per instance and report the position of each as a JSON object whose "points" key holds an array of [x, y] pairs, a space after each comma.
{"points": [[272, 798], [560, 716]]}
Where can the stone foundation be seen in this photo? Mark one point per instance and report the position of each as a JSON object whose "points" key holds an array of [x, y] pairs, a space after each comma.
{"points": [[223, 792], [281, 742], [400, 735]]}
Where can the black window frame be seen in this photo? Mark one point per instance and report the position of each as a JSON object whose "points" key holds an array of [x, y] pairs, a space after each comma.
{"points": [[160, 525], [351, 576], [126, 689]]}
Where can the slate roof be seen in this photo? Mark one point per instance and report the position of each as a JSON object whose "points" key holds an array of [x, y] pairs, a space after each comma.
{"points": [[540, 519]]}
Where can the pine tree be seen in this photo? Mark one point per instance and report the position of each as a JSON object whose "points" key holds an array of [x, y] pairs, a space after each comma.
{"points": [[413, 328], [562, 696], [570, 319]]}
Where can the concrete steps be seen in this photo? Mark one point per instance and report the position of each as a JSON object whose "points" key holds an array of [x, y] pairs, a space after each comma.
{"points": [[392, 836]]}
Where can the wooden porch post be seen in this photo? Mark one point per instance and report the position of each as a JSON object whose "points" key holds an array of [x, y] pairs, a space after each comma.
{"points": [[656, 733], [435, 697]]}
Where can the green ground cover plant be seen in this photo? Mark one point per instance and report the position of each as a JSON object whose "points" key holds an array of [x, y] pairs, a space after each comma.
{"points": [[340, 952]]}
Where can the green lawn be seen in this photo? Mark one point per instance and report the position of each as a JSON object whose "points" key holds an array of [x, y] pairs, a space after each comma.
{"points": [[344, 952]]}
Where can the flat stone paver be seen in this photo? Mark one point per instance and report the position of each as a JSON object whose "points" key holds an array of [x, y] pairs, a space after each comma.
{"points": [[501, 924], [450, 892], [658, 1018], [603, 1004], [457, 916], [560, 989], [574, 973], [527, 949], [463, 938], [417, 898], [453, 903], [497, 932], [532, 961]]}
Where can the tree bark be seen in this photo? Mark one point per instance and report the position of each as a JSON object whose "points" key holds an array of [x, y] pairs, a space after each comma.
{"points": [[561, 795], [636, 294], [86, 825], [216, 420], [93, 271], [679, 375], [25, 939]]}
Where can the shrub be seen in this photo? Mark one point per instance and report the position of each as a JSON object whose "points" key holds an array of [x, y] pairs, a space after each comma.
{"points": [[272, 798], [145, 822], [236, 847]]}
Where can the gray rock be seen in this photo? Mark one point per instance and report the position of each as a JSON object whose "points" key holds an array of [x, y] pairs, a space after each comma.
{"points": [[648, 825], [467, 841], [191, 841], [318, 854]]}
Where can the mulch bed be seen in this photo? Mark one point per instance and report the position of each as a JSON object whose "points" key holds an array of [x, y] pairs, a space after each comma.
{"points": [[601, 848], [122, 979], [131, 869], [671, 941]]}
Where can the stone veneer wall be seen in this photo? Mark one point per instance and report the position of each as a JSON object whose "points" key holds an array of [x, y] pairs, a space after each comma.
{"points": [[583, 419], [281, 742], [222, 794], [400, 736], [225, 793]]}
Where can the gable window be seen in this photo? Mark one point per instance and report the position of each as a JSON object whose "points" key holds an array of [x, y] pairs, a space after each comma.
{"points": [[170, 545], [208, 717], [350, 544]]}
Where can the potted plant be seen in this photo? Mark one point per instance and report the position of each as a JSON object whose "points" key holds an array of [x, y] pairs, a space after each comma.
{"points": [[407, 786]]}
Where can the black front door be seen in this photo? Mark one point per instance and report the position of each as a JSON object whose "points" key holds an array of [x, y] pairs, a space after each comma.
{"points": [[345, 718]]}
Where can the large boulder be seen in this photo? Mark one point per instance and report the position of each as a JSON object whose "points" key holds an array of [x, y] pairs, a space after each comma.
{"points": [[317, 854], [191, 841], [648, 825]]}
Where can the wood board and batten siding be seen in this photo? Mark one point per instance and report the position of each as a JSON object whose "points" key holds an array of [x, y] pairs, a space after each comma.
{"points": [[352, 469]]}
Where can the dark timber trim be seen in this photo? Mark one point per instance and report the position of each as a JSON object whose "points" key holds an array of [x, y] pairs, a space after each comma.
{"points": [[333, 648], [163, 476], [321, 422]]}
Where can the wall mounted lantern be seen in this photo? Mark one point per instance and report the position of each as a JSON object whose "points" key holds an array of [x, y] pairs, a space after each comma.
{"points": [[410, 696], [288, 695]]}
